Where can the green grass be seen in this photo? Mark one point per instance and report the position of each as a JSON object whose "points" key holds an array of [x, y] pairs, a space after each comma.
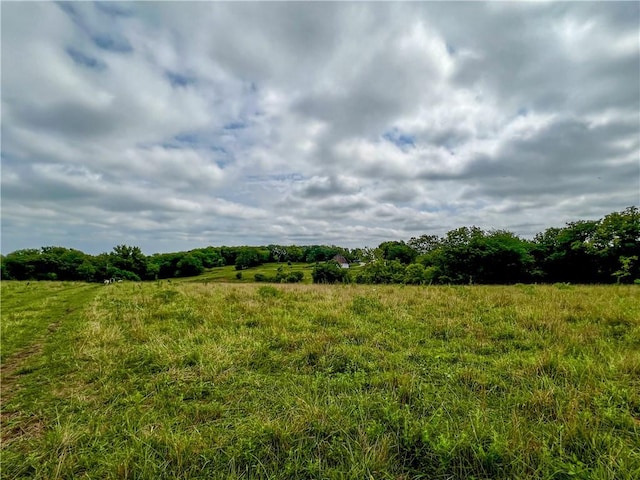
{"points": [[211, 380], [227, 274]]}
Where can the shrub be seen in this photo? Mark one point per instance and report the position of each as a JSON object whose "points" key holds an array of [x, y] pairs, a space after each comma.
{"points": [[294, 277], [268, 291], [329, 272]]}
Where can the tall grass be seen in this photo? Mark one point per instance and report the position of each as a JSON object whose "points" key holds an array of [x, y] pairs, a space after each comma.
{"points": [[188, 380]]}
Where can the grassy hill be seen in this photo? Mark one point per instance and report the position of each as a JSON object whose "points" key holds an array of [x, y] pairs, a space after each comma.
{"points": [[191, 379], [228, 273]]}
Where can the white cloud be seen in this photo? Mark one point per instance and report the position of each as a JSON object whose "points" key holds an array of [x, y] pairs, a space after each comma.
{"points": [[176, 125]]}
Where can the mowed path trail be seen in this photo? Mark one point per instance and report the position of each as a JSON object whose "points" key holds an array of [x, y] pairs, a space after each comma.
{"points": [[35, 317]]}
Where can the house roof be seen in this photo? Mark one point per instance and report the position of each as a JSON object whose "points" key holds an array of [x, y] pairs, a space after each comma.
{"points": [[340, 259]]}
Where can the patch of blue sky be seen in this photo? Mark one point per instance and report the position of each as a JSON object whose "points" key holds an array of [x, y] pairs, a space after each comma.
{"points": [[236, 125], [251, 87], [399, 139], [277, 177], [85, 60], [222, 162], [193, 141], [112, 43], [70, 10], [178, 79], [191, 138], [116, 9]]}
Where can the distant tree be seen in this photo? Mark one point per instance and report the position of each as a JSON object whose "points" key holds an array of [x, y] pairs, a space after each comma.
{"points": [[329, 272], [414, 274], [130, 259], [399, 251], [617, 236], [295, 253], [153, 270], [247, 257], [164, 265], [87, 271], [278, 253], [209, 256], [470, 255], [4, 275], [381, 272], [625, 273], [424, 243], [294, 277], [22, 264], [189, 266], [567, 254]]}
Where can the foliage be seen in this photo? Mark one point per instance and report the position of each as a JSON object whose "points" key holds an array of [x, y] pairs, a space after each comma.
{"points": [[586, 251], [249, 257], [470, 255], [281, 276], [329, 272], [398, 251], [415, 274], [190, 265], [382, 272]]}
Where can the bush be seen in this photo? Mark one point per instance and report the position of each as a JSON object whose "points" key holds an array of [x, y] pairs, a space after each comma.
{"points": [[268, 292], [414, 274], [294, 277], [189, 266], [329, 272]]}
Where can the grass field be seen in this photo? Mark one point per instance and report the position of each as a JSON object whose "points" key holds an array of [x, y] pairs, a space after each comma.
{"points": [[228, 274], [214, 380]]}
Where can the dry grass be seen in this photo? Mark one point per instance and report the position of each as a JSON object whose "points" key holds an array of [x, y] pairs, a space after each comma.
{"points": [[189, 380]]}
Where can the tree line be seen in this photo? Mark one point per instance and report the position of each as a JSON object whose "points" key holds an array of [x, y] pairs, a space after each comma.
{"points": [[585, 251], [129, 263]]}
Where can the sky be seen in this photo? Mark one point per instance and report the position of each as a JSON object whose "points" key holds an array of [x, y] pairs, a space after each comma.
{"points": [[176, 125]]}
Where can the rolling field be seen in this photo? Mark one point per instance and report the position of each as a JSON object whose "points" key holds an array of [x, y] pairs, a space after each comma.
{"points": [[211, 380]]}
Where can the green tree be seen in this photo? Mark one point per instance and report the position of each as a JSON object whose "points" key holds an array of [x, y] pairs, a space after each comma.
{"points": [[399, 251], [4, 275], [247, 257], [617, 236], [625, 273], [424, 243], [126, 258], [381, 272], [189, 266], [414, 274], [567, 254], [329, 272], [21, 264]]}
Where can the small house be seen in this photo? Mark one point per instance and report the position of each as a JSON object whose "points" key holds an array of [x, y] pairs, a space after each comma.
{"points": [[340, 260]]}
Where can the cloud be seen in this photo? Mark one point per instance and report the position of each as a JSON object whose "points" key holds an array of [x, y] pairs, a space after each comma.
{"points": [[173, 126]]}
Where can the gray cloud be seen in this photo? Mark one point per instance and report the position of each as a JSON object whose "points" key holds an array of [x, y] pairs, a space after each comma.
{"points": [[173, 126]]}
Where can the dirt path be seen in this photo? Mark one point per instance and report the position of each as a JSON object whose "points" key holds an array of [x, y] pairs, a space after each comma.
{"points": [[15, 423]]}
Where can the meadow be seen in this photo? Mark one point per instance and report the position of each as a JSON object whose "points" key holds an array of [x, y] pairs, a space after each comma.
{"points": [[200, 379]]}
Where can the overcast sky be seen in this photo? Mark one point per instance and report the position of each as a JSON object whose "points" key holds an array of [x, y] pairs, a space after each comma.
{"points": [[180, 125]]}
